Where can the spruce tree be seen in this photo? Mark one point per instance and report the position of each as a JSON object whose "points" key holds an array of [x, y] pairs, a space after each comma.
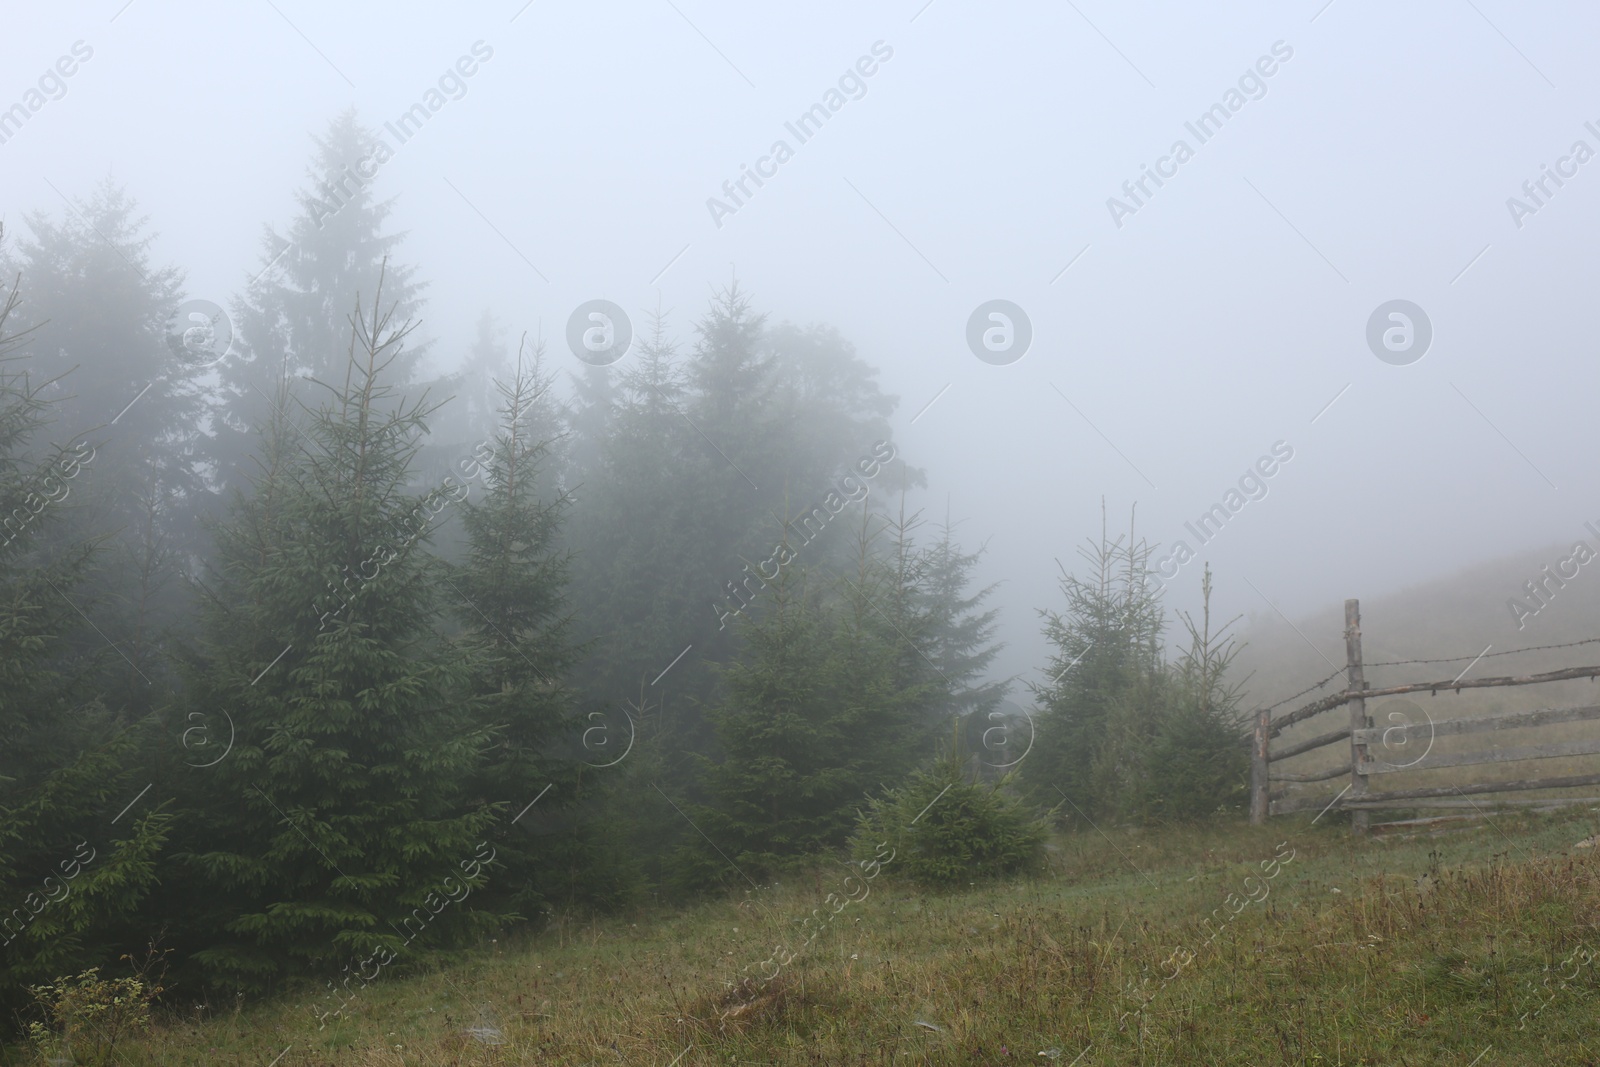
{"points": [[780, 786], [71, 871], [476, 409], [344, 816], [683, 468], [960, 630], [1107, 649], [627, 458], [683, 465], [100, 310], [510, 598], [642, 580], [631, 527], [731, 374], [292, 319], [828, 697], [892, 690], [954, 639], [594, 413], [1198, 761]]}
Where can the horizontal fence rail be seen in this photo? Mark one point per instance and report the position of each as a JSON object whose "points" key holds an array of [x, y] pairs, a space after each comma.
{"points": [[1365, 739], [1314, 743], [1338, 699], [1381, 800], [1516, 720], [1494, 755]]}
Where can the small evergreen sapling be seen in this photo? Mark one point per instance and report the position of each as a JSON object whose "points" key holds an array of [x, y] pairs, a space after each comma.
{"points": [[948, 828]]}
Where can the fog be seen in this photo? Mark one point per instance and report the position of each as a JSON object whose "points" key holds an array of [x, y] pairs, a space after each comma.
{"points": [[1172, 345]]}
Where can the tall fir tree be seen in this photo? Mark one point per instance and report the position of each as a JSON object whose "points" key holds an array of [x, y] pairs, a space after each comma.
{"points": [[510, 597], [828, 697], [961, 630], [100, 310], [730, 375], [698, 457], [633, 517], [954, 642], [345, 805], [477, 405], [882, 675], [472, 412], [593, 413], [293, 318], [71, 878], [781, 784]]}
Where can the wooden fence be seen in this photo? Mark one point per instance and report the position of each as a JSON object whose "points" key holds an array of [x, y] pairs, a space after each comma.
{"points": [[1364, 739]]}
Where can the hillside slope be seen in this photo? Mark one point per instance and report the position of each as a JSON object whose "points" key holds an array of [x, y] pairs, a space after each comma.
{"points": [[1292, 944]]}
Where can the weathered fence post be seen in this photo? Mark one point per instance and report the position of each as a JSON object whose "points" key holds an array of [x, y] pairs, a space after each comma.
{"points": [[1358, 710], [1259, 797]]}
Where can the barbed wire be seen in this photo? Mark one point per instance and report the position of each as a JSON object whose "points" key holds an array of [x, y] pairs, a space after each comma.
{"points": [[1487, 655], [1303, 692], [1448, 659]]}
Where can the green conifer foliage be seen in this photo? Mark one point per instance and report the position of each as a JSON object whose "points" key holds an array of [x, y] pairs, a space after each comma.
{"points": [[1198, 764], [292, 319], [510, 598], [74, 862], [947, 828], [341, 824], [780, 786], [1107, 648]]}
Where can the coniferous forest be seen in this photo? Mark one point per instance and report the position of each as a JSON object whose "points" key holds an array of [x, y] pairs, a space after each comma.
{"points": [[838, 535], [315, 659]]}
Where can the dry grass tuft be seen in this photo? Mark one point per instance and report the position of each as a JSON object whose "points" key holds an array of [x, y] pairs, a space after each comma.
{"points": [[749, 1004]]}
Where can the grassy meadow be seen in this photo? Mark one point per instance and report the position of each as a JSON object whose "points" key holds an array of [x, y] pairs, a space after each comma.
{"points": [[1293, 943]]}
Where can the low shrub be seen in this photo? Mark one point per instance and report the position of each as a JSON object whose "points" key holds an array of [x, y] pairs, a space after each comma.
{"points": [[946, 827]]}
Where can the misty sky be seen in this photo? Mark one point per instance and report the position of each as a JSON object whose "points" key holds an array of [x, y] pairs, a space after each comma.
{"points": [[1190, 335]]}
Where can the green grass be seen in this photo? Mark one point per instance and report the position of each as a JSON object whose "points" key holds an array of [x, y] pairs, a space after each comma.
{"points": [[1345, 959]]}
